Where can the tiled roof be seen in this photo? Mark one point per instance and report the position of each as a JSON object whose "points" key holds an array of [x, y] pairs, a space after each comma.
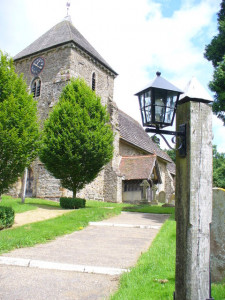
{"points": [[171, 168], [137, 167], [132, 132], [62, 33]]}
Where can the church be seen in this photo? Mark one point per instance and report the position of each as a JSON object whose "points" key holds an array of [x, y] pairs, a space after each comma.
{"points": [[48, 64]]}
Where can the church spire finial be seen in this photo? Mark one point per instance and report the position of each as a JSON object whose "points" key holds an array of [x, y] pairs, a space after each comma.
{"points": [[68, 7], [68, 18]]}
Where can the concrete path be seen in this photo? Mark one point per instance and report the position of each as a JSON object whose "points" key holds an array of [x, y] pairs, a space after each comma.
{"points": [[39, 214], [83, 265]]}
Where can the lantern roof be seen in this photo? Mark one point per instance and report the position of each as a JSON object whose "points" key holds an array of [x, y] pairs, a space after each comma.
{"points": [[160, 83]]}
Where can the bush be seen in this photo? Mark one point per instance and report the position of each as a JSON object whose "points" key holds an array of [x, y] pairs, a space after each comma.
{"points": [[7, 216], [77, 139], [72, 203]]}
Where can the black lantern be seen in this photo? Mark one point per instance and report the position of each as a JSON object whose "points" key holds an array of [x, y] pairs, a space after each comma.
{"points": [[158, 102]]}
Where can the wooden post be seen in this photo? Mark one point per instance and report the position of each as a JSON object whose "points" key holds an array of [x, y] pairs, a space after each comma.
{"points": [[194, 202], [24, 186]]}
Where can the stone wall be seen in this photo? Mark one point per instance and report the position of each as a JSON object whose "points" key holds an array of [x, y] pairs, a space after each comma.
{"points": [[53, 77], [132, 197], [126, 149], [112, 178], [217, 236], [167, 184], [84, 66]]}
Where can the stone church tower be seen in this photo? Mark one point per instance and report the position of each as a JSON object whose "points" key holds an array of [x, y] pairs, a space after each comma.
{"points": [[48, 64]]}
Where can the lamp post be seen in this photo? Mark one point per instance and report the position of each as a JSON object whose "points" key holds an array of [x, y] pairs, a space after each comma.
{"points": [[193, 211]]}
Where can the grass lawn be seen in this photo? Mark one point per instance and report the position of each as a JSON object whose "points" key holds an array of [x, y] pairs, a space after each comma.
{"points": [[30, 203], [41, 232], [153, 278], [150, 209]]}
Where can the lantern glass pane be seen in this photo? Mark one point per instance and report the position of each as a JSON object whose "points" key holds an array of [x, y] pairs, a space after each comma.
{"points": [[143, 116], [141, 99], [160, 105], [147, 98], [170, 106], [171, 99], [169, 115], [148, 114]]}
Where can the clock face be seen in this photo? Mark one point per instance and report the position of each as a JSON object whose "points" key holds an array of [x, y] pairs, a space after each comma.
{"points": [[37, 65]]}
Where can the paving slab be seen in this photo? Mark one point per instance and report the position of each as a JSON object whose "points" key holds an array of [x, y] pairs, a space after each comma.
{"points": [[18, 283], [119, 247], [60, 263]]}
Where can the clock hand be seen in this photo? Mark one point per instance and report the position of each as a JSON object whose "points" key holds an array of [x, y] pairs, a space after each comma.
{"points": [[37, 66]]}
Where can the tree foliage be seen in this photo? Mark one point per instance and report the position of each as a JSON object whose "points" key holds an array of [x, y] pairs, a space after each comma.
{"points": [[217, 85], [156, 140], [77, 139], [218, 168], [18, 125], [215, 52], [172, 154]]}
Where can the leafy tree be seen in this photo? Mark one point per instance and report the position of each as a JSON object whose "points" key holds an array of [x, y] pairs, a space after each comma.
{"points": [[18, 125], [219, 177], [217, 85], [218, 168], [156, 140], [77, 139], [215, 52], [172, 154]]}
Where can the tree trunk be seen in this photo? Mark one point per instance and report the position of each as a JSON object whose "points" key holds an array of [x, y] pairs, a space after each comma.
{"points": [[74, 192], [24, 186]]}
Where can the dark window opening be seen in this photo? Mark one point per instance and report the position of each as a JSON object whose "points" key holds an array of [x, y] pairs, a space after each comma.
{"points": [[132, 185], [93, 81], [36, 88]]}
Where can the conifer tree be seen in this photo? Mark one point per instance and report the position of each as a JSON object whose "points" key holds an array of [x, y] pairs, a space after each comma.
{"points": [[77, 139], [18, 125]]}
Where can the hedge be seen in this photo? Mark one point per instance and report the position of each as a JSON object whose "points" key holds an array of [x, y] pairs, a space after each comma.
{"points": [[72, 203], [7, 216]]}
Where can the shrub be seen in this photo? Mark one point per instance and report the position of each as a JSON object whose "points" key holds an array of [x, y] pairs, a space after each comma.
{"points": [[7, 216], [77, 139], [72, 203]]}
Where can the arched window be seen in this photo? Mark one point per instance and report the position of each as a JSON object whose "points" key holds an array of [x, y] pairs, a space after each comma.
{"points": [[93, 81], [36, 87]]}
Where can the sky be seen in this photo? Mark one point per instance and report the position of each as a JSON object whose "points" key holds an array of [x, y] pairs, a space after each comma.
{"points": [[136, 38]]}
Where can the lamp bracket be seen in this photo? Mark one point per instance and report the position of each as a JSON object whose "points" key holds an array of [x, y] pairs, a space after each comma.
{"points": [[181, 134]]}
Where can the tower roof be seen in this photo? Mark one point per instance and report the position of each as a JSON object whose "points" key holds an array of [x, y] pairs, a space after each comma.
{"points": [[62, 33]]}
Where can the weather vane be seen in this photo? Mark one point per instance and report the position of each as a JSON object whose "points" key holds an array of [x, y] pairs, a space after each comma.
{"points": [[68, 7]]}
